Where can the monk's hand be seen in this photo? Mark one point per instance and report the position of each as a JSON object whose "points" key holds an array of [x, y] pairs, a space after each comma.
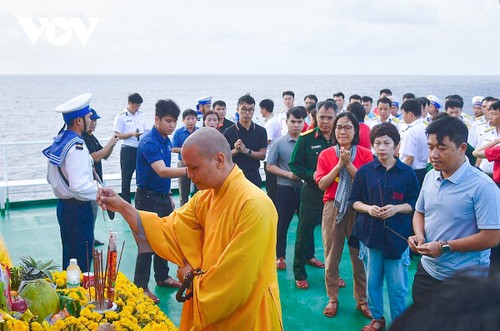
{"points": [[430, 249], [109, 199], [181, 271]]}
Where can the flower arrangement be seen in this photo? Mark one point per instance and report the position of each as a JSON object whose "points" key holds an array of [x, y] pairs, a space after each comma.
{"points": [[135, 311]]}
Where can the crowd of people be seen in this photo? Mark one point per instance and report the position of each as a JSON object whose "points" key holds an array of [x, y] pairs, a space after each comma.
{"points": [[391, 179]]}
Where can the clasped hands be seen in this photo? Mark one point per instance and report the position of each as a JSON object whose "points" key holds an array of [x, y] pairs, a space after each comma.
{"points": [[383, 212], [240, 147]]}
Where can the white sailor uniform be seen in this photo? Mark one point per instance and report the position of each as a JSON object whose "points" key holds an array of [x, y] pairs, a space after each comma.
{"points": [[71, 178], [487, 135]]}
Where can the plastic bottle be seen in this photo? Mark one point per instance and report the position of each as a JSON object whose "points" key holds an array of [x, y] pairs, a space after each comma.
{"points": [[73, 274]]}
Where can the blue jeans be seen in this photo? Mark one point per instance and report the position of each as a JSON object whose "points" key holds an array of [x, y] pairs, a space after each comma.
{"points": [[396, 276]]}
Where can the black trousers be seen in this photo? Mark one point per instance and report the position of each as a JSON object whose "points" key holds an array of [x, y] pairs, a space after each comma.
{"points": [[162, 205], [422, 284], [254, 177], [287, 203], [128, 159], [271, 184]]}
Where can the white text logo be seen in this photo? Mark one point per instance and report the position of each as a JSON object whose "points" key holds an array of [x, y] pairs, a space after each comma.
{"points": [[58, 30]]}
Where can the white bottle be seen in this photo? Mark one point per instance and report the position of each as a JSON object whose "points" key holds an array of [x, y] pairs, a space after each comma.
{"points": [[73, 274]]}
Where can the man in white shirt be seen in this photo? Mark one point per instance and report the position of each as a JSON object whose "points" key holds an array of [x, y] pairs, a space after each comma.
{"points": [[273, 130], [129, 125], [289, 102], [413, 150]]}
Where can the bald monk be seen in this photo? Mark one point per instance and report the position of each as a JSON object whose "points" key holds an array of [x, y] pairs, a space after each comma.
{"points": [[228, 230]]}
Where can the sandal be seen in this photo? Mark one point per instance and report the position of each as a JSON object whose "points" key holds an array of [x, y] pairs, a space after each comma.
{"points": [[280, 263], [341, 283], [302, 284], [363, 308], [331, 309], [375, 325]]}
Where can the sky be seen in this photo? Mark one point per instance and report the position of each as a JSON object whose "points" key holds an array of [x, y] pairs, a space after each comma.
{"points": [[396, 37]]}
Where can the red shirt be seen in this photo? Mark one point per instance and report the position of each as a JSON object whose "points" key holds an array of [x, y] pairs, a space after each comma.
{"points": [[328, 159], [493, 154], [364, 135]]}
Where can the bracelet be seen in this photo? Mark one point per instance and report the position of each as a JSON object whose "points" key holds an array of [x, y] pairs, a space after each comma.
{"points": [[186, 172]]}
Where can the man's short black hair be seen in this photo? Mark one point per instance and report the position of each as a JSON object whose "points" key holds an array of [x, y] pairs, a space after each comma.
{"points": [[355, 97], [412, 106], [366, 99], [383, 129], [495, 105], [448, 126], [297, 112], [409, 95], [267, 104], [311, 96], [358, 110], [453, 103], [167, 107], [384, 100], [247, 98], [189, 112], [339, 94], [355, 123], [219, 103], [288, 93], [455, 97], [386, 91], [135, 98], [423, 101]]}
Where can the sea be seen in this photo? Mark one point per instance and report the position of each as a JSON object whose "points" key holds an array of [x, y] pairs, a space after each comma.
{"points": [[27, 102]]}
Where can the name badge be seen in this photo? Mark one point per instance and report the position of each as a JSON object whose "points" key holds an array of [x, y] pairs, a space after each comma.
{"points": [[315, 146]]}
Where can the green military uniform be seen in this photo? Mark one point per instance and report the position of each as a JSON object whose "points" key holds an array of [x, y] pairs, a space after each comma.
{"points": [[303, 164]]}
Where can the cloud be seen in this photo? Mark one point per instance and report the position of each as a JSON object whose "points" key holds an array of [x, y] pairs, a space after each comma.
{"points": [[222, 36]]}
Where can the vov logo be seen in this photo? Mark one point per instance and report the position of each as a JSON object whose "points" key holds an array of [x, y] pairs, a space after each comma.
{"points": [[58, 31]]}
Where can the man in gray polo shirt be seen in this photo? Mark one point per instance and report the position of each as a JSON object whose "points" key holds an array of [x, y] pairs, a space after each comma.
{"points": [[287, 198]]}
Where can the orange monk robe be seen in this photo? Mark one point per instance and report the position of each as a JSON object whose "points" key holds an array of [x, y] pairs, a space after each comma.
{"points": [[231, 236]]}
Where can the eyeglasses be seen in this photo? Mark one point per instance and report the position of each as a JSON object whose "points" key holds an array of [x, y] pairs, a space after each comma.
{"points": [[344, 127], [248, 111]]}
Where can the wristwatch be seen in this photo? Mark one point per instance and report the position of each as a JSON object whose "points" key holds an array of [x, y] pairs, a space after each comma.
{"points": [[444, 247], [249, 151]]}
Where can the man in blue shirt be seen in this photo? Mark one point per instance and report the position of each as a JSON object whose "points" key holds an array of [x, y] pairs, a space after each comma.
{"points": [[189, 117], [457, 215], [154, 174]]}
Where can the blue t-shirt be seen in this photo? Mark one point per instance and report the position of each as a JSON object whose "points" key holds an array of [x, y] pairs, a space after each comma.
{"points": [[180, 136], [457, 207], [373, 185], [153, 147]]}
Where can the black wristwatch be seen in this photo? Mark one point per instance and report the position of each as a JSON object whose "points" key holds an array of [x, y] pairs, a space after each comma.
{"points": [[249, 151], [444, 247]]}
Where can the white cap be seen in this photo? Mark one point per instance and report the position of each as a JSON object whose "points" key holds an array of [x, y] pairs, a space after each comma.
{"points": [[76, 107], [435, 101], [477, 100]]}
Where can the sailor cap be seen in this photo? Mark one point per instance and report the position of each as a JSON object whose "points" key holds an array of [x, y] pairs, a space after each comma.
{"points": [[76, 107], [435, 101], [94, 116], [477, 100], [394, 100]]}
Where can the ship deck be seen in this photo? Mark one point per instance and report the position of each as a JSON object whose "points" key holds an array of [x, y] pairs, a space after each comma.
{"points": [[31, 229]]}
